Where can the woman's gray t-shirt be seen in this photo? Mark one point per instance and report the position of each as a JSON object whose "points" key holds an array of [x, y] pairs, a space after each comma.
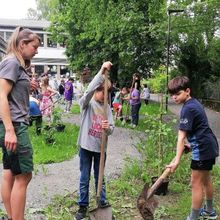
{"points": [[18, 98]]}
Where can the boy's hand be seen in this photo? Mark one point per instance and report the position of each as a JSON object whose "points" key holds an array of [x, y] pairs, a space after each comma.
{"points": [[187, 148], [106, 65], [172, 166], [105, 124]]}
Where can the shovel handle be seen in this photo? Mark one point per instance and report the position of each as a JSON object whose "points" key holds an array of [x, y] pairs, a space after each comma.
{"points": [[159, 181], [103, 139]]}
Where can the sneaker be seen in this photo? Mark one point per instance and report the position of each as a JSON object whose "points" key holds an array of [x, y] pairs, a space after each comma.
{"points": [[207, 215], [81, 213], [188, 218], [104, 204]]}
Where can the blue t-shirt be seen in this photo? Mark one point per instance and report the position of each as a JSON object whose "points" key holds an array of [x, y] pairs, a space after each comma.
{"points": [[194, 121], [34, 109]]}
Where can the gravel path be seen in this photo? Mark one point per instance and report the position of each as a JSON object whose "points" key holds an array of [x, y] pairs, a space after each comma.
{"points": [[60, 178]]}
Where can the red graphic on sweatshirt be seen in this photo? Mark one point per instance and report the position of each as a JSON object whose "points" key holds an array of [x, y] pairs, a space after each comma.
{"points": [[96, 129]]}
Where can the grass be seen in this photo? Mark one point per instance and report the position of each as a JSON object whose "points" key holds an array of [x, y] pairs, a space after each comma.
{"points": [[62, 149], [152, 108], [124, 191], [75, 109]]}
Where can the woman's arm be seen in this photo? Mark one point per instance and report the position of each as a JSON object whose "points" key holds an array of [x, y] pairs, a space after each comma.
{"points": [[10, 136]]}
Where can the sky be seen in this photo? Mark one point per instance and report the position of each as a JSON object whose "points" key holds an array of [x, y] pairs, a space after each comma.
{"points": [[15, 9]]}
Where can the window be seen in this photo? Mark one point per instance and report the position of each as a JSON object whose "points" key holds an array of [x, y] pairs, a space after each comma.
{"points": [[51, 43], [2, 34], [42, 39], [8, 35], [39, 69]]}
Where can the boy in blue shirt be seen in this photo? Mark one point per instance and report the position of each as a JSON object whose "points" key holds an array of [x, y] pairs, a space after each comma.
{"points": [[35, 114], [194, 127]]}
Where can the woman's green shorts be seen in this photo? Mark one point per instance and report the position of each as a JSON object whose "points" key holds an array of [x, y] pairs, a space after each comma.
{"points": [[20, 161]]}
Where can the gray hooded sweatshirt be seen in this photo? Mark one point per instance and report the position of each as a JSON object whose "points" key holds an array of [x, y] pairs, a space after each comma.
{"points": [[92, 114]]}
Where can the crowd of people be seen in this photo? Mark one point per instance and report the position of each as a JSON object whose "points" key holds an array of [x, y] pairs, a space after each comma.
{"points": [[19, 91]]}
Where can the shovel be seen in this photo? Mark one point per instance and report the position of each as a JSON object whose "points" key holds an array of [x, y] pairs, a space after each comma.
{"points": [[102, 213], [146, 202]]}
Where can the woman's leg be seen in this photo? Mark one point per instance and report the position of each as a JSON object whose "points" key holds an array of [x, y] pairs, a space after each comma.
{"points": [[6, 188], [18, 195], [135, 113]]}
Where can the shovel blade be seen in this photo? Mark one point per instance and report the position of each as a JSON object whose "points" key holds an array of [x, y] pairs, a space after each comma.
{"points": [[101, 214], [146, 206]]}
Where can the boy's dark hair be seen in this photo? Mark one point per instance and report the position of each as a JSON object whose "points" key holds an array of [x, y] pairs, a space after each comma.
{"points": [[178, 83]]}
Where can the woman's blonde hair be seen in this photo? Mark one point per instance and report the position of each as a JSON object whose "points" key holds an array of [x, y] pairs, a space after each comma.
{"points": [[20, 34]]}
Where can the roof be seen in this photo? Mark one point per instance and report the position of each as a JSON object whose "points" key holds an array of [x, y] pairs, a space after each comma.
{"points": [[24, 22]]}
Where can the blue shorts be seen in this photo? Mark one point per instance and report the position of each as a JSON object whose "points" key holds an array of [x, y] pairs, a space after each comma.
{"points": [[20, 161]]}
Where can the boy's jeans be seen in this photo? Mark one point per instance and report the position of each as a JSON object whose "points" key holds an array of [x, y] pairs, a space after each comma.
{"points": [[86, 158]]}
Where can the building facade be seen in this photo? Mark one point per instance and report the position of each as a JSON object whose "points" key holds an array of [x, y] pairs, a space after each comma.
{"points": [[2, 47], [51, 56]]}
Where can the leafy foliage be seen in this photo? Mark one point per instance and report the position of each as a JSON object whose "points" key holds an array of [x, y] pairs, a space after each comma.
{"points": [[193, 41], [124, 32]]}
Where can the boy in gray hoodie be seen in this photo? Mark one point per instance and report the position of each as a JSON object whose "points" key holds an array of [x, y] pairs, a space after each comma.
{"points": [[89, 139]]}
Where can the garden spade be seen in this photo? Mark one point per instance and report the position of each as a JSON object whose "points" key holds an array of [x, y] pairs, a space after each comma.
{"points": [[146, 202], [102, 213]]}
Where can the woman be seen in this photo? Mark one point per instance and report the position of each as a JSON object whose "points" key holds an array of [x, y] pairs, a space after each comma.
{"points": [[15, 86], [135, 100]]}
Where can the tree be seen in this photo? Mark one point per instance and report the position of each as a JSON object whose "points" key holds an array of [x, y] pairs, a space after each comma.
{"points": [[194, 35], [125, 32]]}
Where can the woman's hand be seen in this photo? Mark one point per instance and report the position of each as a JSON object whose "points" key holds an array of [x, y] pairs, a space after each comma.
{"points": [[34, 85], [10, 140]]}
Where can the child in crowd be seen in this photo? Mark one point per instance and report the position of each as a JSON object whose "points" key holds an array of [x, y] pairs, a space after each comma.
{"points": [[118, 102], [35, 114], [46, 104], [93, 124], [146, 94], [203, 143], [68, 94], [61, 87]]}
